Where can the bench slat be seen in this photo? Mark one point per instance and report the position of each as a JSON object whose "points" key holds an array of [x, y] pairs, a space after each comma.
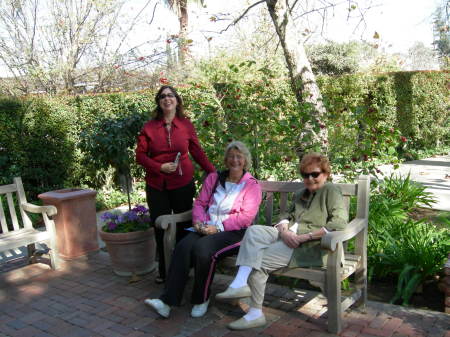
{"points": [[15, 237], [12, 211], [269, 207], [3, 218], [8, 188], [22, 237], [283, 202]]}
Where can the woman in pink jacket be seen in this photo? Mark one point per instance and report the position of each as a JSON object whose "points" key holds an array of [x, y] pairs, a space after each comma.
{"points": [[227, 204]]}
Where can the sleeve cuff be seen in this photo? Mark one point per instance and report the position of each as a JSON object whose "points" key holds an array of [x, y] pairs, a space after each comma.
{"points": [[282, 222]]}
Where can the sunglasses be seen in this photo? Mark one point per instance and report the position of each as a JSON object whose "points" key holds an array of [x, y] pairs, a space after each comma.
{"points": [[312, 174], [166, 95]]}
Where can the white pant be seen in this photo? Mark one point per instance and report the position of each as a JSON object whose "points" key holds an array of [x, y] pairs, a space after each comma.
{"points": [[262, 250]]}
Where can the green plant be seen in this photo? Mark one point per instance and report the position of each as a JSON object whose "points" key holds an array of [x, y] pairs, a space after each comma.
{"points": [[398, 246], [109, 198], [415, 254], [408, 192], [111, 142]]}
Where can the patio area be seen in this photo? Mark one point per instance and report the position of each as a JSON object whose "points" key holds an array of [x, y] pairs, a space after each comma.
{"points": [[85, 298]]}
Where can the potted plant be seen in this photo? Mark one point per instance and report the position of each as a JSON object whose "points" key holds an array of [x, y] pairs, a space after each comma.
{"points": [[129, 241]]}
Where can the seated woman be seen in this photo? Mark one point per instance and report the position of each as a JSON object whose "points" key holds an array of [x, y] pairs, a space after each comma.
{"points": [[227, 204], [294, 241]]}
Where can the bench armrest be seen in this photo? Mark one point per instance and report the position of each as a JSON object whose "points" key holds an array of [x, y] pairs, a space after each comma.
{"points": [[164, 221], [48, 209], [331, 239], [168, 223]]}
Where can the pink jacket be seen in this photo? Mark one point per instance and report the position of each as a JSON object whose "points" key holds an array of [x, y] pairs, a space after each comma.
{"points": [[245, 206]]}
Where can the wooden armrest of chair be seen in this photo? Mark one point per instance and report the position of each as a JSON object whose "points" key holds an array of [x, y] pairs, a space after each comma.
{"points": [[168, 223], [48, 209], [331, 239], [163, 221]]}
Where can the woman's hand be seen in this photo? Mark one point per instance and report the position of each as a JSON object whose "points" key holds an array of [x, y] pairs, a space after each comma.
{"points": [[206, 229], [168, 167], [291, 239], [198, 226]]}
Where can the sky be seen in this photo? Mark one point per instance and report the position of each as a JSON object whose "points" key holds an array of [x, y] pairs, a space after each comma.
{"points": [[399, 23]]}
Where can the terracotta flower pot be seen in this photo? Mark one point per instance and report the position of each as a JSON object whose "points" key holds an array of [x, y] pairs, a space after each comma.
{"points": [[131, 253]]}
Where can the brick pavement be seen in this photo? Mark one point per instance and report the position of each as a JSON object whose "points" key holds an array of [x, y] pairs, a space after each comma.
{"points": [[85, 298]]}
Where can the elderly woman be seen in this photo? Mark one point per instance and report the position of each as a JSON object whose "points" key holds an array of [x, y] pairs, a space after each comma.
{"points": [[294, 241], [163, 148], [227, 204]]}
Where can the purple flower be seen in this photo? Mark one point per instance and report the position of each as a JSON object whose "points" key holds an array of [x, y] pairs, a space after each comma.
{"points": [[112, 226], [137, 218], [140, 209], [107, 215]]}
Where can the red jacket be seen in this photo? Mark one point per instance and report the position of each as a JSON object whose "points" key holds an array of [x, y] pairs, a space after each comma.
{"points": [[153, 149]]}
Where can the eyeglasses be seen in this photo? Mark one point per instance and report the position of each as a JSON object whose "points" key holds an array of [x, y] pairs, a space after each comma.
{"points": [[311, 174], [162, 96]]}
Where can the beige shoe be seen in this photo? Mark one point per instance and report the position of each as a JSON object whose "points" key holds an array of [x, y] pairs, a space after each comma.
{"points": [[234, 293], [243, 324]]}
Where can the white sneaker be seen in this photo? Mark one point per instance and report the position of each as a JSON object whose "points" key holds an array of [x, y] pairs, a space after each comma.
{"points": [[198, 310], [159, 306]]}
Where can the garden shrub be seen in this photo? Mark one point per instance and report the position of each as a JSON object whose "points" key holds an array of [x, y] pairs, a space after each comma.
{"points": [[398, 246], [423, 107], [385, 115], [37, 144], [242, 100]]}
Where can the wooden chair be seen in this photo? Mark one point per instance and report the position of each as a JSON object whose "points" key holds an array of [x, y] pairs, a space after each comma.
{"points": [[21, 233], [341, 264]]}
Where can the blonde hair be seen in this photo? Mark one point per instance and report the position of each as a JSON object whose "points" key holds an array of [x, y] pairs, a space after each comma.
{"points": [[242, 148]]}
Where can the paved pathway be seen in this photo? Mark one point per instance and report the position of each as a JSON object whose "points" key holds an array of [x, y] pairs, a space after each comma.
{"points": [[433, 172], [85, 298]]}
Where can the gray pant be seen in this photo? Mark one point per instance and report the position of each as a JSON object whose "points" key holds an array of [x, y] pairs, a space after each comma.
{"points": [[262, 250]]}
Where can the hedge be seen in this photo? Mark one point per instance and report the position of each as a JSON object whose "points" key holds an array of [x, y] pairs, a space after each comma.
{"points": [[371, 118]]}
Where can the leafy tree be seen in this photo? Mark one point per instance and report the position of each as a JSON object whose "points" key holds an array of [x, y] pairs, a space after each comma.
{"points": [[442, 33], [421, 57], [286, 16], [180, 7], [334, 58], [50, 45]]}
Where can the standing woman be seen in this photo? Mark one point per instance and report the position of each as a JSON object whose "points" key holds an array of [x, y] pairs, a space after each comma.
{"points": [[163, 148]]}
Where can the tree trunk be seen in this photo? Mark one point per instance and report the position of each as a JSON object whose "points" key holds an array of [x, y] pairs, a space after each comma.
{"points": [[183, 19], [314, 135]]}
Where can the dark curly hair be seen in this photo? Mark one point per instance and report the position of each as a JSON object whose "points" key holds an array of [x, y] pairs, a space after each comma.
{"points": [[179, 109]]}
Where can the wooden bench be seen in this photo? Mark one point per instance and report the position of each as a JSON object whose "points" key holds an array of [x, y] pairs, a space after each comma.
{"points": [[16, 233], [341, 264]]}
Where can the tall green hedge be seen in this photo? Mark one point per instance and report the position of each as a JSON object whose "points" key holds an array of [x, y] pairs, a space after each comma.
{"points": [[415, 103], [370, 118]]}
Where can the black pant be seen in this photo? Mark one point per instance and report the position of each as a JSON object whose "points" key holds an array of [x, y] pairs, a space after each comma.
{"points": [[202, 253], [164, 202]]}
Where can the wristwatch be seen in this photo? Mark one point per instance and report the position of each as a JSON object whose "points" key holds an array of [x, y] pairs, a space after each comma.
{"points": [[310, 236]]}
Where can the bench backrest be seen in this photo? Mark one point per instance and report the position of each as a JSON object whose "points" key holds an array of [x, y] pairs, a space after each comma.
{"points": [[285, 188], [13, 196]]}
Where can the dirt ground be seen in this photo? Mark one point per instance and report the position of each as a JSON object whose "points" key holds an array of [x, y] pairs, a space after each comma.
{"points": [[429, 298]]}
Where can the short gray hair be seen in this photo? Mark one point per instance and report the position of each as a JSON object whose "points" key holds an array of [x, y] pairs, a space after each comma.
{"points": [[242, 148]]}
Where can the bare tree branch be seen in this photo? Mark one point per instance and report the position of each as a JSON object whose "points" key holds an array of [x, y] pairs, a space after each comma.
{"points": [[240, 17]]}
